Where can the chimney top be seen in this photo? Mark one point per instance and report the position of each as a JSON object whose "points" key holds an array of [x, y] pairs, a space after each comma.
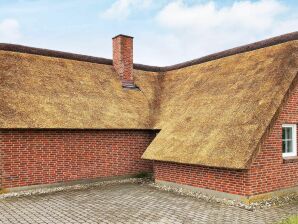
{"points": [[122, 35]]}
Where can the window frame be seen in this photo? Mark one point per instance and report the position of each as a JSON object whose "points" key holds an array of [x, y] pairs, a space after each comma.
{"points": [[294, 140]]}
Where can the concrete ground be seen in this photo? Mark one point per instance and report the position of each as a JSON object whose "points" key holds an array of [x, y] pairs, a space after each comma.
{"points": [[129, 203]]}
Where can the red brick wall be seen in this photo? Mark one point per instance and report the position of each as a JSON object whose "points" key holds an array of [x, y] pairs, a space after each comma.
{"points": [[268, 172], [32, 157], [1, 164], [231, 181]]}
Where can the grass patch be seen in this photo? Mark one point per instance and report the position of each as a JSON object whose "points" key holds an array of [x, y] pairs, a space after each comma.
{"points": [[290, 220], [3, 191], [143, 175]]}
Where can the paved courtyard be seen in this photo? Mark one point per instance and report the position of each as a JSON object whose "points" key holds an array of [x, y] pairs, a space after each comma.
{"points": [[129, 203]]}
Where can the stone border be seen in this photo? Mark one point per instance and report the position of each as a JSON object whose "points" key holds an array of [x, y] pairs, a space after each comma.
{"points": [[271, 199], [184, 190], [66, 183], [204, 191], [73, 185]]}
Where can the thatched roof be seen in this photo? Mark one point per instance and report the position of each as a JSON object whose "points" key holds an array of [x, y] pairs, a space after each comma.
{"points": [[216, 113], [212, 113], [47, 92]]}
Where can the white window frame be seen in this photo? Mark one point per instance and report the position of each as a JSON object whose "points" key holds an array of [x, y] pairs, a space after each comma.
{"points": [[294, 138]]}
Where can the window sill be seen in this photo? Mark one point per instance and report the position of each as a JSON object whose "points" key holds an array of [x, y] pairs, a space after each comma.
{"points": [[290, 159]]}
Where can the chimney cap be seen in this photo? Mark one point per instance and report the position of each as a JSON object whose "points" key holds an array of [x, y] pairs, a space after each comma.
{"points": [[122, 35]]}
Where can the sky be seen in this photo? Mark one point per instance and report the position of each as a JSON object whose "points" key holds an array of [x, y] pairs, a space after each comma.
{"points": [[165, 32]]}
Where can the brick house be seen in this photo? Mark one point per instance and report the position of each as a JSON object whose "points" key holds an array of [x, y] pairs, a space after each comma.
{"points": [[224, 124]]}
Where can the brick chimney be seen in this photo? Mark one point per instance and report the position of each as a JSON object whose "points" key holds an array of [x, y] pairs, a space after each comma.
{"points": [[123, 59]]}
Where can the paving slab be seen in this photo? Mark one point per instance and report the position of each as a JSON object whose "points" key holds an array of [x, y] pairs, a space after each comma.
{"points": [[130, 203]]}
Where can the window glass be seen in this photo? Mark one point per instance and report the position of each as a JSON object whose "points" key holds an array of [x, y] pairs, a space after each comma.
{"points": [[287, 133], [289, 140]]}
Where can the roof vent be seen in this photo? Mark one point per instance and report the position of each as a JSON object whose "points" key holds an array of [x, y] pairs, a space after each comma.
{"points": [[123, 59]]}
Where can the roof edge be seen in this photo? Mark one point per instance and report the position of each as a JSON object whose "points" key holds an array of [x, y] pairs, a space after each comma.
{"points": [[80, 57]]}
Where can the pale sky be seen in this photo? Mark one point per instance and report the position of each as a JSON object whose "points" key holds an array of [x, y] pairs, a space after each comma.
{"points": [[165, 32]]}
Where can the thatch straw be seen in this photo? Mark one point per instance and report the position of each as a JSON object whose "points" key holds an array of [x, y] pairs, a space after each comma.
{"points": [[46, 92], [215, 114]]}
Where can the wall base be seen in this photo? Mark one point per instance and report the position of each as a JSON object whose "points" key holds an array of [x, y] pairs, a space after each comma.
{"points": [[235, 197], [64, 184]]}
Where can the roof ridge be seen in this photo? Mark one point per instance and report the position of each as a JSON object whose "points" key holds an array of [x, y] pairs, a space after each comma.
{"points": [[54, 53], [99, 60], [237, 50]]}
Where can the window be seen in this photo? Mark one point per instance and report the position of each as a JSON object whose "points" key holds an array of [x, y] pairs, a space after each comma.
{"points": [[289, 140]]}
